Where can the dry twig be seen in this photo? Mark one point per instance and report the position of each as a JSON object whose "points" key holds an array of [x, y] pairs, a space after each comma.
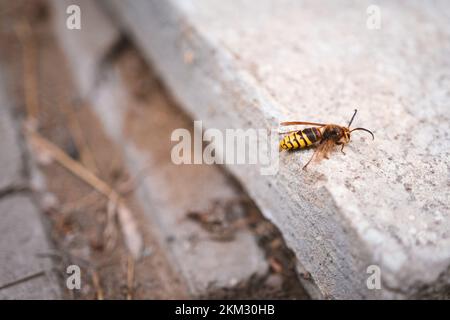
{"points": [[130, 277], [110, 228], [24, 34], [132, 237], [80, 139], [97, 286]]}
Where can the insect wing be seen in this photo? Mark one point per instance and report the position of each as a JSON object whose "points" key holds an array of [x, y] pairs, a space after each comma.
{"points": [[295, 123]]}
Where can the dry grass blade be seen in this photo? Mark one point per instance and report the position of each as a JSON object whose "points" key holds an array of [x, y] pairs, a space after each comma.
{"points": [[72, 165], [97, 286], [110, 233], [133, 238], [79, 138], [24, 34], [130, 277]]}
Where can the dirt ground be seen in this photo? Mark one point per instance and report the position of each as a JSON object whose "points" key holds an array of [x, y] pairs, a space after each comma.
{"points": [[81, 225]]}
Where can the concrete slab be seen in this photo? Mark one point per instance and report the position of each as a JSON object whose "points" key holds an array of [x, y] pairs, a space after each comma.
{"points": [[97, 35], [11, 164], [25, 271], [241, 64]]}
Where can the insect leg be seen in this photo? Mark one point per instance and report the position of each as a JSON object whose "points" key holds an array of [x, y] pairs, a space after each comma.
{"points": [[342, 148], [304, 167]]}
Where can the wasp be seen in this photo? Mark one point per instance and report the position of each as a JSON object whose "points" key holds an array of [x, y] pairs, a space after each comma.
{"points": [[324, 136]]}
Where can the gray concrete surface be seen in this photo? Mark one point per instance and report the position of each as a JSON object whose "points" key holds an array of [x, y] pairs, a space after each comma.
{"points": [[97, 34], [11, 165], [25, 271], [167, 192], [248, 64]]}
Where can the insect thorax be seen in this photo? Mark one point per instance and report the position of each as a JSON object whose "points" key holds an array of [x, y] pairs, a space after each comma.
{"points": [[333, 132]]}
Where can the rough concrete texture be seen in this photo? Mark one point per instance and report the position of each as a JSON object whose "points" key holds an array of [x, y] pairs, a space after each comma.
{"points": [[243, 64], [96, 34], [167, 192], [11, 165], [25, 271]]}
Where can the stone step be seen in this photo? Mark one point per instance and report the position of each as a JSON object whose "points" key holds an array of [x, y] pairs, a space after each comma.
{"points": [[383, 206]]}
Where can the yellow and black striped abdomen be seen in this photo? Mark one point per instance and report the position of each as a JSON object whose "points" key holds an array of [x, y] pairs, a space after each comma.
{"points": [[301, 139]]}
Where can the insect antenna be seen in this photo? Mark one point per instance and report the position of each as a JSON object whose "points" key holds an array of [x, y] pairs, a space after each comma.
{"points": [[351, 120], [364, 129]]}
